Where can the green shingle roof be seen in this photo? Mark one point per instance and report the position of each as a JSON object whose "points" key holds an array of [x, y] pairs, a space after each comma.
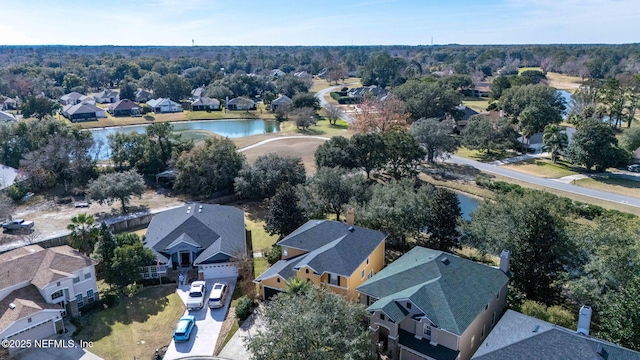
{"points": [[449, 290]]}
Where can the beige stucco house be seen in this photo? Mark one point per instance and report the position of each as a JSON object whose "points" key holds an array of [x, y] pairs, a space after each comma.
{"points": [[430, 304]]}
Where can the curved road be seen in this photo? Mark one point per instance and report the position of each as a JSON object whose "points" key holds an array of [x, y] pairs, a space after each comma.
{"points": [[281, 138], [550, 183]]}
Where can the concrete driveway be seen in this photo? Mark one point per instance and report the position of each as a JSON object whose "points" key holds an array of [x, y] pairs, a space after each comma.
{"points": [[208, 324], [235, 349]]}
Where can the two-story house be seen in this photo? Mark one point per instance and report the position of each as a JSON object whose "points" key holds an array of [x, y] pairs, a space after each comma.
{"points": [[430, 304], [327, 253], [39, 286]]}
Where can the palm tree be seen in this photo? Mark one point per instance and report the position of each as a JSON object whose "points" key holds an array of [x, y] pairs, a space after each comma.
{"points": [[84, 233], [554, 140], [297, 286]]}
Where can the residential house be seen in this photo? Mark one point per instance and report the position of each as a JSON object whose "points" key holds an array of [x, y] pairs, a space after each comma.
{"points": [[124, 107], [40, 286], [303, 75], [519, 337], [107, 96], [277, 73], [466, 113], [6, 117], [74, 98], [241, 103], [430, 304], [373, 91], [164, 105], [142, 96], [9, 176], [281, 101], [323, 73], [211, 238], [205, 103], [482, 89], [334, 254], [9, 104], [83, 112], [198, 92]]}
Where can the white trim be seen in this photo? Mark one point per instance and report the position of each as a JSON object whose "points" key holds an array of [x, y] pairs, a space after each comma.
{"points": [[336, 286], [57, 312]]}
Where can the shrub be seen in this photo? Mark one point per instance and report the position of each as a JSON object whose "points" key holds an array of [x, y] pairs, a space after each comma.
{"points": [[17, 191], [243, 309], [334, 95], [109, 300], [274, 254], [344, 89]]}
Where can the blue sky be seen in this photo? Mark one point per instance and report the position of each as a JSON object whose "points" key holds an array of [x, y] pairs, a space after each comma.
{"points": [[320, 22]]}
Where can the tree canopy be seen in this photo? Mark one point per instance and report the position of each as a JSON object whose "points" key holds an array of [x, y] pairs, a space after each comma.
{"points": [[121, 186], [267, 174], [435, 137]]}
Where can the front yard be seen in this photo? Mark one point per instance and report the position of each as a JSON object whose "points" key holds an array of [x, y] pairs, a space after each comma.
{"points": [[134, 327], [545, 168], [611, 184]]}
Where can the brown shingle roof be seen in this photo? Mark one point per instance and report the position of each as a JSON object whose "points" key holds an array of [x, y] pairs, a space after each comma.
{"points": [[27, 300]]}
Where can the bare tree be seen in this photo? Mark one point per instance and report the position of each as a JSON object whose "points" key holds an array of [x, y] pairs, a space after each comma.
{"points": [[333, 113], [381, 116], [304, 117]]}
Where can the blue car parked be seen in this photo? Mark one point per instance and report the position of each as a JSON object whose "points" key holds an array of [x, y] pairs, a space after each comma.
{"points": [[184, 327]]}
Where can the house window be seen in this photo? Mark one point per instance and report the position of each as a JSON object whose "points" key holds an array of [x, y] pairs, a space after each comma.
{"points": [[482, 337], [76, 280], [486, 307], [498, 295], [87, 276], [146, 275], [427, 331], [285, 251], [362, 274], [277, 279], [334, 280], [58, 283], [154, 271], [29, 320], [493, 318], [90, 297], [408, 305], [370, 274], [367, 260], [382, 317], [79, 300], [306, 271], [56, 295]]}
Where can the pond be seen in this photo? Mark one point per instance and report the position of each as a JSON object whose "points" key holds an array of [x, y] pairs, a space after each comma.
{"points": [[567, 102], [229, 128], [468, 204]]}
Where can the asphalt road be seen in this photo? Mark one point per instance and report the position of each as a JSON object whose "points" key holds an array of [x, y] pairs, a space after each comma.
{"points": [[550, 183], [320, 95]]}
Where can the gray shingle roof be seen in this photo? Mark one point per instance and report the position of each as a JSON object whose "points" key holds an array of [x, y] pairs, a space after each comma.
{"points": [[216, 229], [124, 104], [73, 96], [205, 101], [519, 337], [241, 100], [332, 246], [82, 108], [5, 116], [282, 268], [282, 100], [451, 291]]}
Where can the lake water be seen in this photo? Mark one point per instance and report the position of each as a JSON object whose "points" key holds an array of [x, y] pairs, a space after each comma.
{"points": [[234, 128], [468, 204], [567, 102]]}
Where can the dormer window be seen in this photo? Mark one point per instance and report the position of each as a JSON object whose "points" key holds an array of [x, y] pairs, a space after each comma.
{"points": [[56, 295], [382, 317], [306, 271], [408, 305]]}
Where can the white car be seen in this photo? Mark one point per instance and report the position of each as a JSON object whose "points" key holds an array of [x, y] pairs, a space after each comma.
{"points": [[218, 294], [634, 167], [197, 293]]}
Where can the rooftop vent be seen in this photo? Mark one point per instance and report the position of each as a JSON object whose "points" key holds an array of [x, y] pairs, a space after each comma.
{"points": [[188, 209], [536, 328], [445, 260], [350, 229], [12, 306], [200, 209]]}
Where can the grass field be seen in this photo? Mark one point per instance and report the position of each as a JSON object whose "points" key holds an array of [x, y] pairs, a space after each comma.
{"points": [[564, 82], [612, 184], [303, 148], [136, 326], [477, 104], [319, 84], [482, 156], [520, 70], [544, 168]]}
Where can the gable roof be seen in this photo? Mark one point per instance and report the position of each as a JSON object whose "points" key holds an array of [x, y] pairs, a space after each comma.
{"points": [[212, 228], [451, 291], [82, 108], [518, 336], [205, 101], [27, 301], [40, 266], [241, 100], [124, 104], [106, 93], [282, 100], [73, 96], [198, 92], [5, 116], [332, 246], [161, 102]]}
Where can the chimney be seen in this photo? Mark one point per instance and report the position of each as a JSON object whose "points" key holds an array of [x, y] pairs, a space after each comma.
{"points": [[584, 320], [350, 216], [504, 261]]}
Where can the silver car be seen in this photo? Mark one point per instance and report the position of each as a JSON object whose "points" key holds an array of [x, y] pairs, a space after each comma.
{"points": [[197, 294], [218, 295]]}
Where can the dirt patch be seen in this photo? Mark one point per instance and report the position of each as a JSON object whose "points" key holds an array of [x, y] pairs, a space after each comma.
{"points": [[303, 148], [227, 324]]}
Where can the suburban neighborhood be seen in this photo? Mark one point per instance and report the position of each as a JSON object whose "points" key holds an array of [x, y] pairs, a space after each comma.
{"points": [[236, 201]]}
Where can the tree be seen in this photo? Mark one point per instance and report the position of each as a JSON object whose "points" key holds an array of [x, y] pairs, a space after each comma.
{"points": [[534, 119], [172, 86], [116, 186], [291, 85], [333, 113], [402, 155], [529, 227], [268, 173], [71, 81], [547, 99], [127, 260], [316, 324], [297, 286], [84, 233], [630, 139], [6, 206], [369, 151], [285, 213], [210, 168], [594, 144], [555, 314], [487, 135], [397, 208], [304, 117], [128, 89], [435, 137], [39, 107], [428, 98], [334, 188], [305, 100], [381, 69], [381, 116], [554, 140], [337, 151], [442, 221]]}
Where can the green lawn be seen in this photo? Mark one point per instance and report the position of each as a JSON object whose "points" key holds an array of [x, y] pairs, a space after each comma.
{"points": [[612, 184], [545, 168], [477, 104], [520, 70], [482, 156], [260, 265], [136, 326]]}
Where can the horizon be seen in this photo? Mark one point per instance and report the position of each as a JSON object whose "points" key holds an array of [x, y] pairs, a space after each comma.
{"points": [[332, 23]]}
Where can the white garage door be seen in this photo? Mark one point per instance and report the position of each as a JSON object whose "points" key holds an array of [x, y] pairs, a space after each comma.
{"points": [[213, 271], [40, 331]]}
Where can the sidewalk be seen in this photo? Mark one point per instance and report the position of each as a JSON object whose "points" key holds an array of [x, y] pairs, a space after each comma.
{"points": [[235, 348], [519, 158]]}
